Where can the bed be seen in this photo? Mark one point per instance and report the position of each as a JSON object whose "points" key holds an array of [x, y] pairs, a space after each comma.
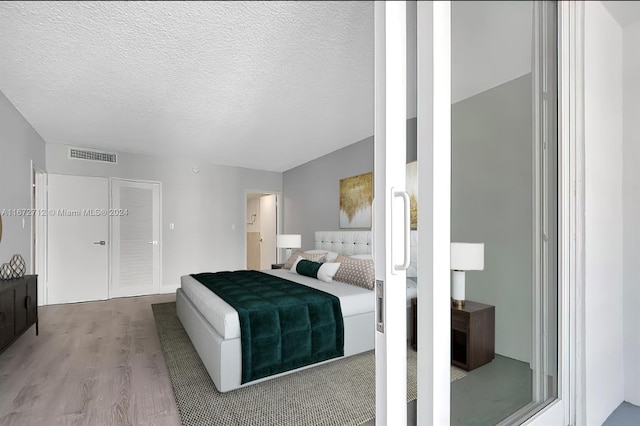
{"points": [[214, 329]]}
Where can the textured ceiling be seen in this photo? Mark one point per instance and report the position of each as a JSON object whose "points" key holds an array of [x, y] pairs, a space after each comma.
{"points": [[265, 85]]}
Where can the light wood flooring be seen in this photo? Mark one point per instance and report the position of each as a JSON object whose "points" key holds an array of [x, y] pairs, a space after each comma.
{"points": [[96, 363]]}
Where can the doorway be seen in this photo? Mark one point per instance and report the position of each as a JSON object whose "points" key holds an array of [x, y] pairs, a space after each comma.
{"points": [[261, 230]]}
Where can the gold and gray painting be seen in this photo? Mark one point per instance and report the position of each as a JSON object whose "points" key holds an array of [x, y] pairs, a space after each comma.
{"points": [[356, 197]]}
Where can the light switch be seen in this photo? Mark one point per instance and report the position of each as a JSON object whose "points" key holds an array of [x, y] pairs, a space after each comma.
{"points": [[171, 227], [233, 227]]}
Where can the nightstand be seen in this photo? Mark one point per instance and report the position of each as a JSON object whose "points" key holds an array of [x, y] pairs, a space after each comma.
{"points": [[472, 335], [277, 265]]}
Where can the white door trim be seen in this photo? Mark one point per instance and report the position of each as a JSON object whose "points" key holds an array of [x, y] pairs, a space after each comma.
{"points": [[434, 205], [569, 408], [40, 212], [388, 219]]}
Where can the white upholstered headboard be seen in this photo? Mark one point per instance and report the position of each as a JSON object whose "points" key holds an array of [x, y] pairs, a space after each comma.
{"points": [[344, 242], [359, 242]]}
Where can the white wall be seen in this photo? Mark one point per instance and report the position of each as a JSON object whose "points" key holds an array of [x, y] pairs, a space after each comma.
{"points": [[19, 144], [603, 213], [631, 212], [203, 206]]}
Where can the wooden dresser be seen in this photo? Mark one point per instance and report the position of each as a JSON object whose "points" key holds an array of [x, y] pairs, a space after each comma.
{"points": [[18, 308]]}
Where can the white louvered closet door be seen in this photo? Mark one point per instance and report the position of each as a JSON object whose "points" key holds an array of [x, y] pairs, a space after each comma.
{"points": [[135, 227]]}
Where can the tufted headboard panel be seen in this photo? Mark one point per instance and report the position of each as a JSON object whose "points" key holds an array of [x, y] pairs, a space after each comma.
{"points": [[344, 242]]}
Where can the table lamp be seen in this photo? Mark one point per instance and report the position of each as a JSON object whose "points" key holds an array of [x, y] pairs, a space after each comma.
{"points": [[288, 241], [464, 257]]}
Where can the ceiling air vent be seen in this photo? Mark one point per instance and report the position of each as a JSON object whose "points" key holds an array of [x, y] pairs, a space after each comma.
{"points": [[83, 154]]}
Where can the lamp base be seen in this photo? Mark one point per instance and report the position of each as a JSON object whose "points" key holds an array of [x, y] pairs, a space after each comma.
{"points": [[459, 304], [457, 289]]}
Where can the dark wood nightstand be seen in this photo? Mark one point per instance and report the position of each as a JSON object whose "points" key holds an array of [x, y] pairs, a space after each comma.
{"points": [[472, 335], [277, 265]]}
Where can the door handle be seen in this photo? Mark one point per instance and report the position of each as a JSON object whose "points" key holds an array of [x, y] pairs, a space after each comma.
{"points": [[380, 306], [154, 242], [407, 230], [100, 243]]}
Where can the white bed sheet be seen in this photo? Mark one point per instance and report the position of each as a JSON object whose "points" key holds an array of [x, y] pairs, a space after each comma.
{"points": [[224, 319]]}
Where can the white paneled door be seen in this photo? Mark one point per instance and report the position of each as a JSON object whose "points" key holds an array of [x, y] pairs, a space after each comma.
{"points": [[135, 231], [78, 238]]}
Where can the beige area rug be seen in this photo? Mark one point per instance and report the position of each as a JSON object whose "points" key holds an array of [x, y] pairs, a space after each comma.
{"points": [[338, 393]]}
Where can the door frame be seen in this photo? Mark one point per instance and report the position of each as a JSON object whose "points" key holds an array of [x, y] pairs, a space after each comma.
{"points": [[39, 209], [390, 216], [433, 41], [279, 210], [434, 205], [111, 236], [570, 405]]}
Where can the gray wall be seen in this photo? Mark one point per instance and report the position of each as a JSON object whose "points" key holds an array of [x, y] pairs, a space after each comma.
{"points": [[491, 203], [203, 206], [311, 191], [19, 144]]}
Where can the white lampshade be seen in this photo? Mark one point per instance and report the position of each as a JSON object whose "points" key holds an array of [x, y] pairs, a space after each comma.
{"points": [[289, 241], [467, 256]]}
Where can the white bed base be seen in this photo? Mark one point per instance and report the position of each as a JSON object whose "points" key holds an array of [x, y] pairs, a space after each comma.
{"points": [[212, 348]]}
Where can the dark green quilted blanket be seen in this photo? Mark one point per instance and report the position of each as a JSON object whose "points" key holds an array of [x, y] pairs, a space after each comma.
{"points": [[283, 325]]}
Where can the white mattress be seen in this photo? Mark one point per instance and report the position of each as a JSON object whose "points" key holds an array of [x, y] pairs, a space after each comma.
{"points": [[224, 319]]}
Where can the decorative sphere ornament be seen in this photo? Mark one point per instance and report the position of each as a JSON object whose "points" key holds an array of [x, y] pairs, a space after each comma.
{"points": [[18, 266], [6, 273]]}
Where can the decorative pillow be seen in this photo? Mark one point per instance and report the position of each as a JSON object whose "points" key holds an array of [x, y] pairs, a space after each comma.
{"points": [[322, 271], [360, 272], [362, 256], [306, 267], [315, 257], [327, 271], [330, 256]]}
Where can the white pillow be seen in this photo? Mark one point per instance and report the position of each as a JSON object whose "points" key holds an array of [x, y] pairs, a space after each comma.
{"points": [[361, 256], [325, 273], [330, 256]]}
